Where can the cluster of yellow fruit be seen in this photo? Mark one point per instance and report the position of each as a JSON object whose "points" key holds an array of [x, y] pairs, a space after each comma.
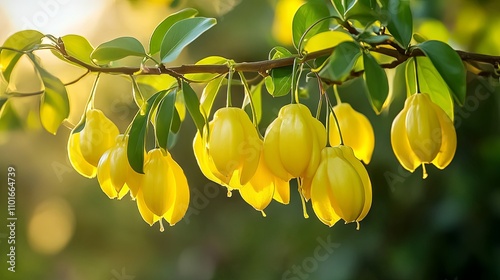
{"points": [[98, 149], [231, 152]]}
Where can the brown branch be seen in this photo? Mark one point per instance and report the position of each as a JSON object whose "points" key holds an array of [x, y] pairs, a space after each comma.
{"points": [[388, 48]]}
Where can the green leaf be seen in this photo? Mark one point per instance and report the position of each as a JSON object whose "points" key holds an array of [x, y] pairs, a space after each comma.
{"points": [[375, 39], [136, 147], [9, 119], [181, 34], [256, 92], [307, 15], [206, 77], [339, 7], [449, 65], [400, 22], [376, 82], [117, 49], [54, 105], [341, 62], [162, 28], [193, 106], [77, 47], [343, 6], [209, 93], [22, 41], [281, 81], [366, 12], [432, 83], [164, 118], [173, 135]]}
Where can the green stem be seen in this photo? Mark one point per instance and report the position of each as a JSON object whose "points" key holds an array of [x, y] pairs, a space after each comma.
{"points": [[417, 83], [250, 98], [336, 119], [90, 102], [229, 101]]}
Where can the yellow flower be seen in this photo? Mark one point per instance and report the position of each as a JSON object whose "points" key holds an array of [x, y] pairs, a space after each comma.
{"points": [[293, 143], [341, 187], [233, 146], [165, 188], [422, 133], [86, 147], [114, 173], [263, 187], [356, 129]]}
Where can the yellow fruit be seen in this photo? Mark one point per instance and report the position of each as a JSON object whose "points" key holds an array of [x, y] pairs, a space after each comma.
{"points": [[341, 187], [86, 147], [263, 186], [165, 189], [356, 129], [293, 143], [233, 146], [422, 133], [114, 172]]}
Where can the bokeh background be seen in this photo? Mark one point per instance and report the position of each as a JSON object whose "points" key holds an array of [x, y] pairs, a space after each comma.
{"points": [[444, 227]]}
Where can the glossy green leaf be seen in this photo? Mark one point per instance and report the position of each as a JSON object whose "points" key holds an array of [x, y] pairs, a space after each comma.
{"points": [[181, 34], [432, 83], [343, 6], [339, 7], [375, 39], [206, 77], [400, 20], [9, 119], [117, 49], [366, 12], [193, 106], [77, 47], [159, 33], [341, 62], [176, 122], [376, 82], [449, 65], [22, 41], [164, 118], [209, 93], [326, 40], [281, 81], [305, 17], [54, 105], [136, 147], [256, 92]]}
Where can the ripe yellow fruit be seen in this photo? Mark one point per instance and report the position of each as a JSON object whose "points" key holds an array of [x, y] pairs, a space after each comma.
{"points": [[233, 146], [263, 187], [293, 143], [86, 147], [341, 187], [165, 188], [422, 133], [356, 129], [114, 173]]}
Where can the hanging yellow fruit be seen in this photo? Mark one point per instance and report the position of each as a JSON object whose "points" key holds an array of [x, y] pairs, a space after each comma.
{"points": [[165, 188], [293, 143], [356, 130], [114, 173], [86, 147], [341, 187], [422, 133]]}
